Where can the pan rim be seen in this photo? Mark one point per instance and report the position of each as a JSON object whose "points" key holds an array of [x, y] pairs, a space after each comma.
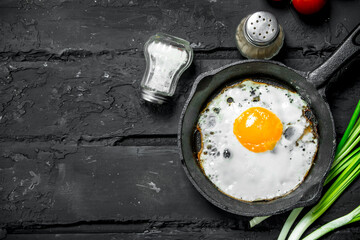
{"points": [[219, 204]]}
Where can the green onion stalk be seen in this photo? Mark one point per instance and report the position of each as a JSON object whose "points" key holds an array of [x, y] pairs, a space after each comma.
{"points": [[341, 183], [256, 220], [347, 219], [346, 164]]}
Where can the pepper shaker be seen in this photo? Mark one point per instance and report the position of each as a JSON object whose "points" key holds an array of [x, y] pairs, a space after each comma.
{"points": [[259, 36]]}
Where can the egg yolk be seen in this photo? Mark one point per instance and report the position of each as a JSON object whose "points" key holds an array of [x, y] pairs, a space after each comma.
{"points": [[258, 129]]}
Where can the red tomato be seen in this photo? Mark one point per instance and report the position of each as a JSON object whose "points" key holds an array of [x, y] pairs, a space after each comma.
{"points": [[308, 6]]}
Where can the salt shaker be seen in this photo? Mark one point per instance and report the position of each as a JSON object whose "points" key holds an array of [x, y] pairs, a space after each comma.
{"points": [[167, 57], [259, 36]]}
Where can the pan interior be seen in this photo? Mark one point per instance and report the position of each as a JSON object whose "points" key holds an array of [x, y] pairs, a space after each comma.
{"points": [[199, 144]]}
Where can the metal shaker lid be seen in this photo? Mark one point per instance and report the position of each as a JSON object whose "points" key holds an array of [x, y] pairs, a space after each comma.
{"points": [[261, 28]]}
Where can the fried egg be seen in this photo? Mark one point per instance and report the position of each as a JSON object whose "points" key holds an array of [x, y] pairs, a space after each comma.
{"points": [[257, 142]]}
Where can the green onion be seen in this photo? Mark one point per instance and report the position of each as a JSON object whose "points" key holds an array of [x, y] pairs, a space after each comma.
{"points": [[341, 183], [256, 220], [339, 222], [337, 169], [349, 128], [349, 145], [347, 164], [289, 222], [357, 124]]}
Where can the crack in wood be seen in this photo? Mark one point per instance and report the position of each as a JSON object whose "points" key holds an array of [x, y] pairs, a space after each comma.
{"points": [[28, 139], [140, 226], [130, 140], [65, 55], [212, 53], [147, 140]]}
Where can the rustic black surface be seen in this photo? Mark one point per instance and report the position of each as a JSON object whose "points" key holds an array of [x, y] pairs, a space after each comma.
{"points": [[83, 157]]}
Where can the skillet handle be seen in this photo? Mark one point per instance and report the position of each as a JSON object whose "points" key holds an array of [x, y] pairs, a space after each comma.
{"points": [[348, 49]]}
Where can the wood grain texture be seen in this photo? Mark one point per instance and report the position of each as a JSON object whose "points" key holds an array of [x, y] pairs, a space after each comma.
{"points": [[206, 234], [95, 26], [93, 98], [62, 184], [60, 187], [83, 157]]}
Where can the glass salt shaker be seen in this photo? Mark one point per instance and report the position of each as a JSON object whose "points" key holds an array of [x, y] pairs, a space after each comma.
{"points": [[167, 57]]}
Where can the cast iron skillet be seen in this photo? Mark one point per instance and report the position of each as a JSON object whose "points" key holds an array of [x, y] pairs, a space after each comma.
{"points": [[310, 85]]}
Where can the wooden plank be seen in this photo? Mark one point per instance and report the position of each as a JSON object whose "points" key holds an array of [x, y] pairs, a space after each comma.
{"points": [[44, 184], [208, 234], [95, 26], [95, 98], [70, 113]]}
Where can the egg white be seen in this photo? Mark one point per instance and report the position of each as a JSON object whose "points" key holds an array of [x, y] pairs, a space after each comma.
{"points": [[247, 175]]}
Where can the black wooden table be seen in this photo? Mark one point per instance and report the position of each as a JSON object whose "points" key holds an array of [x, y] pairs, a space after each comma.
{"points": [[83, 157]]}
